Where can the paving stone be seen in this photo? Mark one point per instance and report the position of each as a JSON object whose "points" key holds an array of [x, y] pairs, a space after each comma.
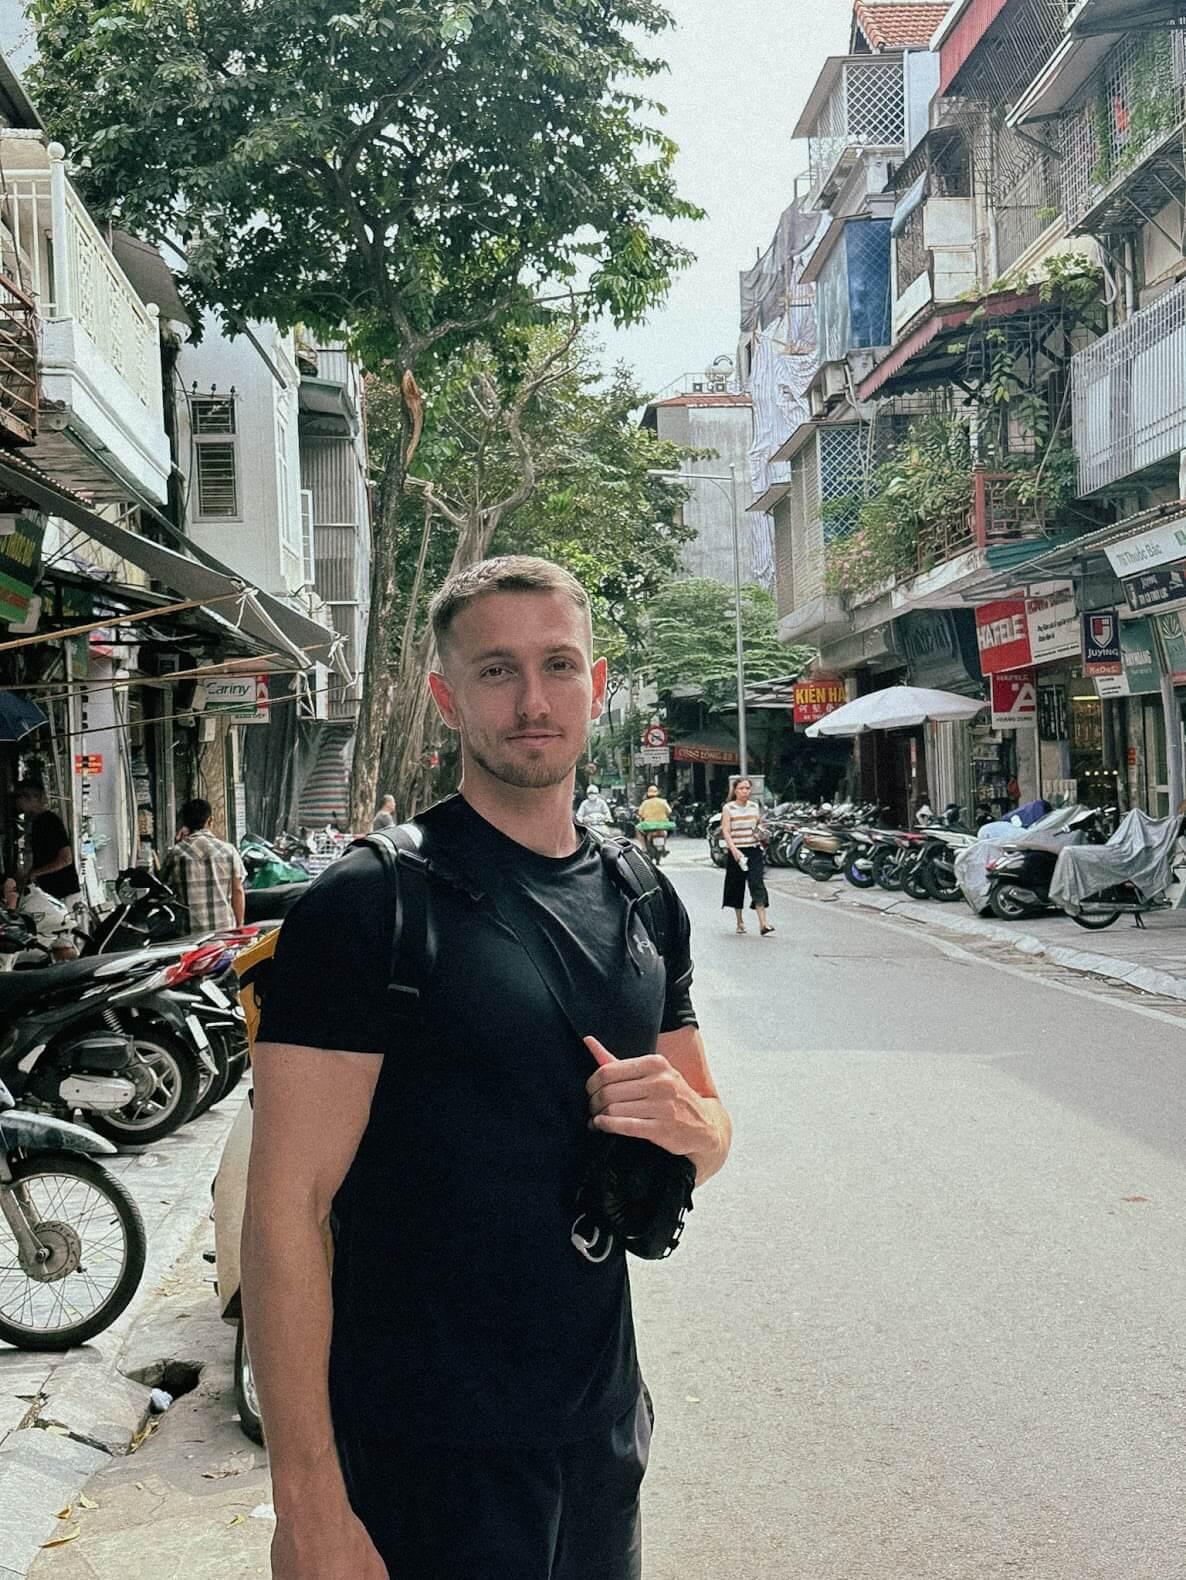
{"points": [[40, 1473], [92, 1404]]}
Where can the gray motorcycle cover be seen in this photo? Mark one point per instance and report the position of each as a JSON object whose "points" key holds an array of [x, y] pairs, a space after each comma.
{"points": [[971, 865], [1140, 852]]}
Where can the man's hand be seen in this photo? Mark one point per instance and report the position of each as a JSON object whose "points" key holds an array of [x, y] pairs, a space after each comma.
{"points": [[647, 1097], [312, 1547]]}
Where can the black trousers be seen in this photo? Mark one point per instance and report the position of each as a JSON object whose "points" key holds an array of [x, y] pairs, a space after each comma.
{"points": [[438, 1512], [736, 880]]}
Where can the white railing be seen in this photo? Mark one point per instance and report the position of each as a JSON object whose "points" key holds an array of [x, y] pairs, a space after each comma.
{"points": [[866, 108], [57, 253], [1129, 394]]}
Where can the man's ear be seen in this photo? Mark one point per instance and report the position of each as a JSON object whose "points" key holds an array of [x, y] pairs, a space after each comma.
{"points": [[442, 695], [600, 682]]}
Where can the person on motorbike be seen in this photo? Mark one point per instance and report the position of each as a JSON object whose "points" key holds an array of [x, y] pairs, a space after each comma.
{"points": [[653, 810], [595, 811]]}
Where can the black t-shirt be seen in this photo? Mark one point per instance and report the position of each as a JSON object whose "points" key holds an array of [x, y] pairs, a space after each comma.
{"points": [[47, 836], [462, 1310]]}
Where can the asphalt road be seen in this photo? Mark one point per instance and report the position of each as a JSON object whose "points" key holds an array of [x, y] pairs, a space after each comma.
{"points": [[926, 1325], [929, 1320]]}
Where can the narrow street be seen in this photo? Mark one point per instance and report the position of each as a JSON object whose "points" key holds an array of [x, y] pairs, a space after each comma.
{"points": [[925, 1325]]}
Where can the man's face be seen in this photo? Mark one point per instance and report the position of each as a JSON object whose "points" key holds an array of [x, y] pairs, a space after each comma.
{"points": [[29, 802], [518, 685]]}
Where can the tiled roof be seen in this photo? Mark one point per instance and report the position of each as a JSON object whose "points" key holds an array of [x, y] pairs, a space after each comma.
{"points": [[899, 24], [707, 398]]}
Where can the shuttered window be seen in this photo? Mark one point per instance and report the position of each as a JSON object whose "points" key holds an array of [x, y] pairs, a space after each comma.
{"points": [[216, 456]]}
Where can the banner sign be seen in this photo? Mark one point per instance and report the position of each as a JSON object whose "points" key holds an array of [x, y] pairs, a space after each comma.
{"points": [[815, 699], [1161, 545], [1101, 643], [87, 765], [1053, 624], [1156, 588], [689, 752], [1141, 674], [653, 756], [1003, 636], [242, 698], [1173, 643], [1014, 699], [1053, 722], [20, 566]]}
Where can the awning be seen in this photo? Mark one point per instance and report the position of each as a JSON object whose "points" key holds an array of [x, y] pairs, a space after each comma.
{"points": [[314, 640], [262, 617], [1079, 553], [766, 502], [923, 356]]}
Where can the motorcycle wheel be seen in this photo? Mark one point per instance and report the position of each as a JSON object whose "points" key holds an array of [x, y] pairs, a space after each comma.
{"points": [[887, 869], [1096, 923], [821, 868], [718, 854], [859, 878], [914, 882], [246, 1398], [802, 859], [168, 1079], [81, 1211], [212, 1088], [1005, 903], [937, 887]]}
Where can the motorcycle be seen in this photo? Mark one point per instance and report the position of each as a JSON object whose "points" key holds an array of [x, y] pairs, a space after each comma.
{"points": [[77, 1240], [717, 849], [147, 912], [654, 838], [266, 867], [1141, 868], [1019, 875]]}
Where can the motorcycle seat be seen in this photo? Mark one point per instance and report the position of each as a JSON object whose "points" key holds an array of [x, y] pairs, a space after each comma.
{"points": [[16, 986]]}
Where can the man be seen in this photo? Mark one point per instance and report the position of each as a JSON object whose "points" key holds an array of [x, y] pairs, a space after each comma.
{"points": [[594, 811], [385, 816], [465, 1403], [206, 874], [51, 858], [654, 808]]}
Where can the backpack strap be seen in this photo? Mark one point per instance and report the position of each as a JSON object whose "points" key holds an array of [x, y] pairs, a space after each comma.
{"points": [[634, 873], [413, 942]]}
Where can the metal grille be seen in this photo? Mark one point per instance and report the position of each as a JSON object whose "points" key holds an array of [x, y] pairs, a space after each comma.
{"points": [[910, 250], [784, 575], [1006, 58], [1129, 394], [330, 470], [842, 476], [807, 541], [213, 413], [865, 109], [19, 397], [216, 462], [1136, 103]]}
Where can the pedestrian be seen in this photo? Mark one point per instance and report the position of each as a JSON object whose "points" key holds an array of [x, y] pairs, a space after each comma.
{"points": [[385, 816], [464, 1398], [745, 864], [206, 874], [51, 864]]}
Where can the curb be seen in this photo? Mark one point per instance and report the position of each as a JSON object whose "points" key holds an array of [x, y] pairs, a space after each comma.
{"points": [[1146, 979], [87, 1412]]}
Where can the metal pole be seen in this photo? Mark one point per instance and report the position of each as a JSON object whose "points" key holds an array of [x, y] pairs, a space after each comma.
{"points": [[742, 753]]}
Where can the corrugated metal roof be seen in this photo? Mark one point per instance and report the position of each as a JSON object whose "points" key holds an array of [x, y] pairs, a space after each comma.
{"points": [[899, 24], [708, 398]]}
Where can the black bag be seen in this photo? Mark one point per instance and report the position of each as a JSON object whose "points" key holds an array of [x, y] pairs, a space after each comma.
{"points": [[631, 1190]]}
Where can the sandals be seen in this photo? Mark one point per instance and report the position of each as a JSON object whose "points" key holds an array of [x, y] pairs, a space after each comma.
{"points": [[740, 929], [766, 931]]}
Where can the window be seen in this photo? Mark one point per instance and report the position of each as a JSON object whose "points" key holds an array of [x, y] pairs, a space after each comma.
{"points": [[216, 455], [290, 522], [307, 551]]}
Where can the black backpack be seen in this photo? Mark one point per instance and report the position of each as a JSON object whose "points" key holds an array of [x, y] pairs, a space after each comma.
{"points": [[630, 1188]]}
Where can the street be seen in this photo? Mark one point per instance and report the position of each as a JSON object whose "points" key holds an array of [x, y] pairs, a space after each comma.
{"points": [[926, 1323]]}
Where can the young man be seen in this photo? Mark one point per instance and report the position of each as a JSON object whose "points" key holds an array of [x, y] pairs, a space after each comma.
{"points": [[385, 816], [51, 857], [465, 1403], [206, 874]]}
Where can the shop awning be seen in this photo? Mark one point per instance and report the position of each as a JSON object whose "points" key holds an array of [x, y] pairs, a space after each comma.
{"points": [[261, 616], [924, 357], [711, 746], [1082, 553]]}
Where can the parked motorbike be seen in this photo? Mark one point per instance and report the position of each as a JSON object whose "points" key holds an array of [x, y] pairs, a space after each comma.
{"points": [[77, 1240], [1141, 868], [1019, 876], [717, 849], [266, 867], [147, 912]]}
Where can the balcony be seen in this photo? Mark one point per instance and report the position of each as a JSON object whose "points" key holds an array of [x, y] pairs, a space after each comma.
{"points": [[19, 389], [993, 517], [858, 104], [934, 256], [101, 426], [1129, 396]]}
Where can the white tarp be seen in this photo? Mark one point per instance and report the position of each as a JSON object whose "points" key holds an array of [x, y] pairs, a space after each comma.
{"points": [[971, 865], [1139, 852]]}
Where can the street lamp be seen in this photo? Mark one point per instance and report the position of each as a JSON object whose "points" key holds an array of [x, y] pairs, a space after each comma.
{"points": [[720, 481]]}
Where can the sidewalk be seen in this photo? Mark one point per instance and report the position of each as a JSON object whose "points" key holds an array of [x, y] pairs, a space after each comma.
{"points": [[1152, 959], [65, 1416]]}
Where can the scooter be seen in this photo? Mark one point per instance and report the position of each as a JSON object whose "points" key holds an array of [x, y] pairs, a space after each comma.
{"points": [[73, 1243], [654, 838], [1019, 876], [1142, 868]]}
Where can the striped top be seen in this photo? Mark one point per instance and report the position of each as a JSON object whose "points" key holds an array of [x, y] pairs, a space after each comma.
{"points": [[743, 823]]}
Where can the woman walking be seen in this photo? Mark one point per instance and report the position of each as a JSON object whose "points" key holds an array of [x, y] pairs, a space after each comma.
{"points": [[746, 861]]}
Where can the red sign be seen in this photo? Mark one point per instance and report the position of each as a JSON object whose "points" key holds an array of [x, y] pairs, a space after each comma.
{"points": [[654, 736], [815, 699], [1003, 636], [89, 765], [1014, 699], [689, 752]]}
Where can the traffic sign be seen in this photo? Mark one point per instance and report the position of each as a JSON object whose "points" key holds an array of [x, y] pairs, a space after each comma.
{"points": [[653, 756], [654, 735]]}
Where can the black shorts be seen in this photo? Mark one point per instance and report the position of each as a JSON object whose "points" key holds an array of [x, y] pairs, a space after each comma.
{"points": [[437, 1512]]}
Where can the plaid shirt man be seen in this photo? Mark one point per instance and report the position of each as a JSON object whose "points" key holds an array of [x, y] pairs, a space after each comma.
{"points": [[201, 870]]}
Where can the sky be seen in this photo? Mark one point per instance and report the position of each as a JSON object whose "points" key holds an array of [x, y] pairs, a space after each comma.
{"points": [[740, 73]]}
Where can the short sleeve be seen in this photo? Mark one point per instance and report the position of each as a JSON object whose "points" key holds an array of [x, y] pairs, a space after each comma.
{"points": [[678, 1010], [328, 983]]}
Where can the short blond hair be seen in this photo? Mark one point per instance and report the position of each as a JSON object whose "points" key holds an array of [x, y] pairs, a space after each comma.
{"points": [[504, 573]]}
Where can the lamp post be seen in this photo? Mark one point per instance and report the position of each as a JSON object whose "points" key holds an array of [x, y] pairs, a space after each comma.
{"points": [[721, 481]]}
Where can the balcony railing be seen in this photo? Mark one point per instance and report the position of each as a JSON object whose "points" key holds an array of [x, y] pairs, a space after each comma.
{"points": [[865, 108], [1129, 394], [19, 389], [993, 516]]}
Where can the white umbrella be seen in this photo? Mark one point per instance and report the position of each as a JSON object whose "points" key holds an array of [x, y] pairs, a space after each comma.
{"points": [[897, 708]]}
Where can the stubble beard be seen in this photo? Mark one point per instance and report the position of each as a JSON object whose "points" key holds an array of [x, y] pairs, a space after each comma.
{"points": [[507, 770]]}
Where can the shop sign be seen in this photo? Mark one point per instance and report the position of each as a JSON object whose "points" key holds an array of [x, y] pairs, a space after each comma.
{"points": [[89, 764], [1003, 636], [653, 756], [939, 646], [20, 566], [1173, 643], [1053, 624], [1142, 672], [1014, 699], [1161, 545], [1101, 643], [815, 699], [1157, 588], [689, 752], [1053, 723], [242, 698]]}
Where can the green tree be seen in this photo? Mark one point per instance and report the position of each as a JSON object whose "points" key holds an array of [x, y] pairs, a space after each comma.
{"points": [[691, 639], [409, 171]]}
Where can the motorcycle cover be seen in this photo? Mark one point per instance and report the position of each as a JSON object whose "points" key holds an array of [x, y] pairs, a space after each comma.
{"points": [[1140, 852], [971, 865]]}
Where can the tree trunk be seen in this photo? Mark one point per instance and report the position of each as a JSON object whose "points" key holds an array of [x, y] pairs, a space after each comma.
{"points": [[378, 672]]}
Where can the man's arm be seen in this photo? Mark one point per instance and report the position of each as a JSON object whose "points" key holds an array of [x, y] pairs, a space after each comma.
{"points": [[311, 1108], [238, 900], [64, 858], [669, 1097]]}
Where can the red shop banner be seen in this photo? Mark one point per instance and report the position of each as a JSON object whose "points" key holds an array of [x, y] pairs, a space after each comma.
{"points": [[815, 699], [1014, 699], [689, 752], [1003, 636]]}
